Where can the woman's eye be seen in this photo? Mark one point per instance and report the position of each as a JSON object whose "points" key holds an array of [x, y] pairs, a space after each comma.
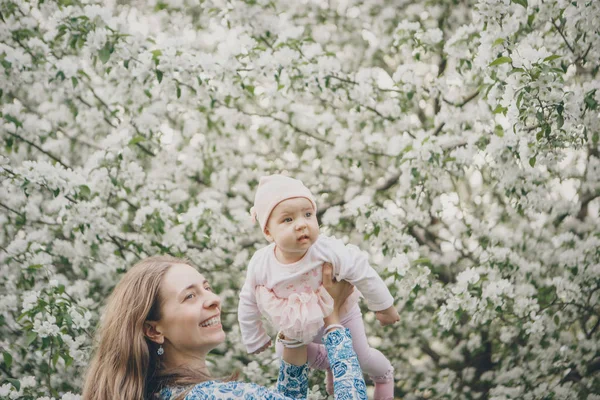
{"points": [[208, 288], [189, 296]]}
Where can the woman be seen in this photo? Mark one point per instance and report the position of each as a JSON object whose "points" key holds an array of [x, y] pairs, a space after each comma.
{"points": [[163, 318]]}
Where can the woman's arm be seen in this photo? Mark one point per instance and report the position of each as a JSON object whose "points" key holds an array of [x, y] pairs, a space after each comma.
{"points": [[347, 374], [292, 382], [233, 390], [293, 372]]}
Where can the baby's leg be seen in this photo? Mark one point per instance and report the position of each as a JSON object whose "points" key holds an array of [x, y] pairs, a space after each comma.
{"points": [[317, 355], [372, 361]]}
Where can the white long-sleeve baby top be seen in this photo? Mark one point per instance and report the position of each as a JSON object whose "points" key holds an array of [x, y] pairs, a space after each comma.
{"points": [[292, 296]]}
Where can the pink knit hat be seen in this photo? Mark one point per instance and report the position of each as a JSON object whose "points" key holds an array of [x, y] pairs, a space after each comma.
{"points": [[272, 190]]}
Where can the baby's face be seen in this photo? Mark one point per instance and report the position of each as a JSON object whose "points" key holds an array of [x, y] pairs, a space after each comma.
{"points": [[293, 225]]}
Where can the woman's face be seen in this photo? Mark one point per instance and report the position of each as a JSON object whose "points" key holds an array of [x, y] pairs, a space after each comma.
{"points": [[190, 313]]}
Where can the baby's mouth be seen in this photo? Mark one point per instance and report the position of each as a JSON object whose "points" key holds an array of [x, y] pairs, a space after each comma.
{"points": [[303, 237]]}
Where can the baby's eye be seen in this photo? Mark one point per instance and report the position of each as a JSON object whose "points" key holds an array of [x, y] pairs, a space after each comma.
{"points": [[288, 219], [308, 214]]}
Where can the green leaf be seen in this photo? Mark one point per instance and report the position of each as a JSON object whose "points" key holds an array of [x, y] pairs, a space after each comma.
{"points": [[104, 53], [159, 75], [539, 115], [178, 91], [595, 138], [590, 101], [499, 131], [7, 359], [84, 191], [158, 225], [520, 98], [560, 121], [499, 109], [552, 57], [156, 53], [6, 64], [501, 60], [74, 81], [484, 241], [136, 139], [539, 135], [55, 358], [68, 359], [532, 161], [521, 2], [376, 230], [15, 383], [12, 119], [556, 319], [126, 64], [31, 336], [497, 42]]}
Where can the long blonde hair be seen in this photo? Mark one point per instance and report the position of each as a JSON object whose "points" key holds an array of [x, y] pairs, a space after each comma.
{"points": [[125, 364]]}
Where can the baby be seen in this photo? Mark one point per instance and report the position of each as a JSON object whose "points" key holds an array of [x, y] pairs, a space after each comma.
{"points": [[284, 283]]}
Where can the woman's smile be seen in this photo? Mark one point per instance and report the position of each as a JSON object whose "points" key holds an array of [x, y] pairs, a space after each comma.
{"points": [[212, 322]]}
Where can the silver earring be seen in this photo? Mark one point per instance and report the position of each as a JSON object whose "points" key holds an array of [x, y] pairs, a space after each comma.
{"points": [[160, 350]]}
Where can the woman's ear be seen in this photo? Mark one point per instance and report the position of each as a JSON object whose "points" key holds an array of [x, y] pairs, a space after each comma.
{"points": [[152, 332]]}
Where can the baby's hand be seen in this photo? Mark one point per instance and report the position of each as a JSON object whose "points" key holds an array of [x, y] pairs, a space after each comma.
{"points": [[388, 316], [266, 346]]}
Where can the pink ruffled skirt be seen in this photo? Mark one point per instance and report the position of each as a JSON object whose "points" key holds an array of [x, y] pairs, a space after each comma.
{"points": [[300, 316]]}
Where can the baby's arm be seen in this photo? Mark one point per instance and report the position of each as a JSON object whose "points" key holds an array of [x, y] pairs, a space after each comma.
{"points": [[254, 336], [352, 264]]}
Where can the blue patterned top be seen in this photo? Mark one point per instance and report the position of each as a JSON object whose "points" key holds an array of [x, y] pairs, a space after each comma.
{"points": [[292, 382]]}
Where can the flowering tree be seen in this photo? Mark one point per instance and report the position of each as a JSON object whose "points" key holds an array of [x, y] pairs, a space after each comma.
{"points": [[456, 141]]}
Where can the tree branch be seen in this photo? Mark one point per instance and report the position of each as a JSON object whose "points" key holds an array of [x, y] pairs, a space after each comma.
{"points": [[563, 36], [52, 156], [439, 129], [464, 102]]}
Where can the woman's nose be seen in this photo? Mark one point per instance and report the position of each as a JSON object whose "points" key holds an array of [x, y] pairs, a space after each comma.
{"points": [[213, 301]]}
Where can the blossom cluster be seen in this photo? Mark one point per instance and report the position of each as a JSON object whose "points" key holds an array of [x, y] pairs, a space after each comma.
{"points": [[456, 142]]}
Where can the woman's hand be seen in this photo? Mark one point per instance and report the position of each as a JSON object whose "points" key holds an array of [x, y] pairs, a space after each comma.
{"points": [[339, 291]]}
